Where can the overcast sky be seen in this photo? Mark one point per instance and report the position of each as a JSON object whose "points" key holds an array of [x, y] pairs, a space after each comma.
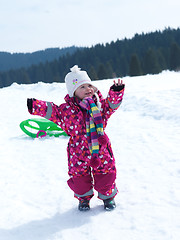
{"points": [[32, 25]]}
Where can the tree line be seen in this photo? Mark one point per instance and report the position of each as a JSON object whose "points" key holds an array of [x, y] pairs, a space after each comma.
{"points": [[148, 53], [18, 60]]}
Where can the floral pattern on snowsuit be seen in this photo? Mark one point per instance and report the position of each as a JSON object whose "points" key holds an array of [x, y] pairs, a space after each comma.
{"points": [[71, 118]]}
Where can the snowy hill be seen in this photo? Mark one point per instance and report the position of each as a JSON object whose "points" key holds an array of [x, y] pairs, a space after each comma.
{"points": [[35, 201]]}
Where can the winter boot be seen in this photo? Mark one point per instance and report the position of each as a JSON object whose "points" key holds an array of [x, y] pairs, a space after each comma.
{"points": [[83, 205], [109, 204]]}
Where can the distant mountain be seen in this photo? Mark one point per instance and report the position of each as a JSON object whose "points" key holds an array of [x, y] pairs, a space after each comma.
{"points": [[10, 61]]}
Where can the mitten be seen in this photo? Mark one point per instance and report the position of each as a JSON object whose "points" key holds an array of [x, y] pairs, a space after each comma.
{"points": [[117, 88], [30, 104]]}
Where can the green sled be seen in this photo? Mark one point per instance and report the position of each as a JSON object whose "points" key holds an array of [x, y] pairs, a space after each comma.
{"points": [[40, 127]]}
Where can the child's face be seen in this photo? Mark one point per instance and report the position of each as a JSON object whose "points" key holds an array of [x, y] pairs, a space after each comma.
{"points": [[85, 90]]}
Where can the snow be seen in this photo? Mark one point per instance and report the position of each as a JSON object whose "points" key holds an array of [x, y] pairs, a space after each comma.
{"points": [[37, 204]]}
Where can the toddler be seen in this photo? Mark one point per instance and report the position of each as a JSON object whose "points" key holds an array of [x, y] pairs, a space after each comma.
{"points": [[84, 116]]}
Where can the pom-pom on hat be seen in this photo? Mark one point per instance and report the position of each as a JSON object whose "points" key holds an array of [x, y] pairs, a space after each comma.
{"points": [[76, 78]]}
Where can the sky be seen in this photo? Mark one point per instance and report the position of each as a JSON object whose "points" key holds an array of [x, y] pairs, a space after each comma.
{"points": [[28, 26]]}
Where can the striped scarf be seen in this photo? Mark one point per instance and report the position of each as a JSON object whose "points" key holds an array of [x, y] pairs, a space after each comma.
{"points": [[94, 125]]}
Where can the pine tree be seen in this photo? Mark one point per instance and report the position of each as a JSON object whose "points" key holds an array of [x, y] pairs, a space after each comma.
{"points": [[7, 79], [92, 73], [175, 57], [25, 78], [151, 64], [162, 60], [135, 66], [102, 74], [48, 76], [1, 82], [123, 67], [39, 73], [109, 70]]}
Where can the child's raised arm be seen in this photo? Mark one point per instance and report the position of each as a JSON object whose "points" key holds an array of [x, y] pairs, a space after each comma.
{"points": [[114, 99]]}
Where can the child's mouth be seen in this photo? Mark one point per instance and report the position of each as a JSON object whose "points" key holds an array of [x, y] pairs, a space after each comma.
{"points": [[88, 94]]}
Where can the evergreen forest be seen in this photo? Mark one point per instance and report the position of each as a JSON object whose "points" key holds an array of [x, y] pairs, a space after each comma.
{"points": [[149, 53]]}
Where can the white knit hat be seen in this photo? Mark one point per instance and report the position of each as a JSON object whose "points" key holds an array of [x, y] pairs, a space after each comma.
{"points": [[76, 78]]}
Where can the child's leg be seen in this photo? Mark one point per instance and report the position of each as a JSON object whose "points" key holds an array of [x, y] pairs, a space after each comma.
{"points": [[105, 185], [82, 186], [83, 190], [104, 177]]}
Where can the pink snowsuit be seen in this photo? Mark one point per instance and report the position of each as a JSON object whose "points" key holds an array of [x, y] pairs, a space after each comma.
{"points": [[71, 118]]}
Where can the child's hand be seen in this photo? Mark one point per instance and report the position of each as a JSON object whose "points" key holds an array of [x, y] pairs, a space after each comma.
{"points": [[118, 86], [30, 104], [120, 82]]}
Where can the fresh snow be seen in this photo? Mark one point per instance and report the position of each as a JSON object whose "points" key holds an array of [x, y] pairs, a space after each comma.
{"points": [[37, 204]]}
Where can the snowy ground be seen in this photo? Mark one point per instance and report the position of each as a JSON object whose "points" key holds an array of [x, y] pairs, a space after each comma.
{"points": [[35, 201]]}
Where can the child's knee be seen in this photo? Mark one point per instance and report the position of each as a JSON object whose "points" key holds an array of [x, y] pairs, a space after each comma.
{"points": [[81, 185], [104, 182]]}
